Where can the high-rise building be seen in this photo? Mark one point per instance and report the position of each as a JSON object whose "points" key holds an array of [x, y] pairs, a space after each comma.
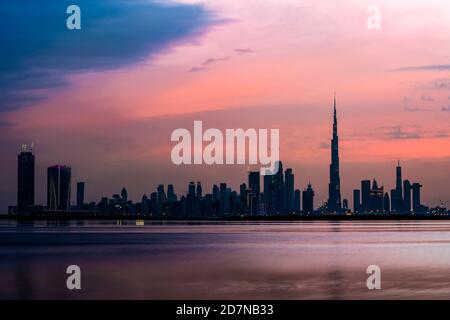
{"points": [[58, 187], [124, 195], [407, 196], [216, 193], [171, 196], [308, 200], [162, 198], [398, 200], [416, 196], [344, 204], [376, 198], [334, 187], [274, 191], [25, 180], [297, 201], [199, 189], [80, 195], [254, 182], [289, 190], [224, 199], [356, 201], [191, 188], [392, 199], [365, 195], [386, 203]]}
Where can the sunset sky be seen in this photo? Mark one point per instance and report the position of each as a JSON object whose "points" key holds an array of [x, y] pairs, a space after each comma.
{"points": [[105, 99]]}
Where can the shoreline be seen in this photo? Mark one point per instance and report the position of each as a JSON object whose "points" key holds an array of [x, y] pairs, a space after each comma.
{"points": [[225, 219]]}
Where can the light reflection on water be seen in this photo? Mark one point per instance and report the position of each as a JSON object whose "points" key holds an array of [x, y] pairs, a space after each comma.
{"points": [[234, 260]]}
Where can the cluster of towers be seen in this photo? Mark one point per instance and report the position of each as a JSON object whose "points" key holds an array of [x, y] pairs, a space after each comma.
{"points": [[58, 184], [277, 196], [404, 199]]}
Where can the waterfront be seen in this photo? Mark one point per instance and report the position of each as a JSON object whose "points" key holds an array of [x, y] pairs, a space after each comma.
{"points": [[123, 259]]}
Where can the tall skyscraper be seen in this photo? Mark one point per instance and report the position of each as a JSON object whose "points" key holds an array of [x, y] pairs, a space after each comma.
{"points": [[289, 190], [356, 201], [398, 200], [25, 180], [224, 199], [58, 187], [407, 196], [334, 187], [365, 196], [199, 189], [124, 195], [80, 195], [416, 196], [254, 182], [171, 196], [386, 203], [308, 200], [297, 201], [274, 196], [376, 198]]}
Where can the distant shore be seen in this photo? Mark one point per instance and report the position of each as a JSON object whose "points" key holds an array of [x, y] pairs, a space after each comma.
{"points": [[323, 217]]}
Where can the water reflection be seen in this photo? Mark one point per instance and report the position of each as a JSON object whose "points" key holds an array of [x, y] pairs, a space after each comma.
{"points": [[123, 259]]}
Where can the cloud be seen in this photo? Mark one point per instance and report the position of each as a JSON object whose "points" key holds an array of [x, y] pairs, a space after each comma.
{"points": [[208, 62], [41, 52], [197, 69], [399, 133], [446, 109], [426, 98], [441, 84], [324, 145], [435, 67], [411, 109], [242, 51], [214, 60]]}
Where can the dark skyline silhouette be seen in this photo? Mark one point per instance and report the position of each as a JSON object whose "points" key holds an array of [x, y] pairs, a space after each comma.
{"points": [[277, 197]]}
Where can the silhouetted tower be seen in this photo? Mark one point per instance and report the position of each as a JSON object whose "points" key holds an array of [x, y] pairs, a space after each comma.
{"points": [[253, 182], [386, 203], [356, 201], [124, 195], [334, 187], [407, 196], [416, 196], [365, 196], [58, 187], [308, 200], [398, 200], [289, 190], [199, 189], [80, 195], [25, 180], [297, 201]]}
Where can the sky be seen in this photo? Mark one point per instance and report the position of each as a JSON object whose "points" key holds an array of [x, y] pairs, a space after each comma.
{"points": [[105, 99]]}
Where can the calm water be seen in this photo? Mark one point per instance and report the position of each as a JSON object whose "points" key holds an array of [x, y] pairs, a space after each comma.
{"points": [[301, 260]]}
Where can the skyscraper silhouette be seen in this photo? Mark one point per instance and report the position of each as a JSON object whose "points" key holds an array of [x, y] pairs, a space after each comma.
{"points": [[289, 190], [58, 187], [398, 200], [80, 195], [334, 187], [25, 180], [357, 201], [407, 196], [365, 196], [308, 200]]}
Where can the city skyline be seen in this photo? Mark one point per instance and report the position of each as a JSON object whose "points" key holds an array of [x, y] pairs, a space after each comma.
{"points": [[229, 64], [277, 196]]}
